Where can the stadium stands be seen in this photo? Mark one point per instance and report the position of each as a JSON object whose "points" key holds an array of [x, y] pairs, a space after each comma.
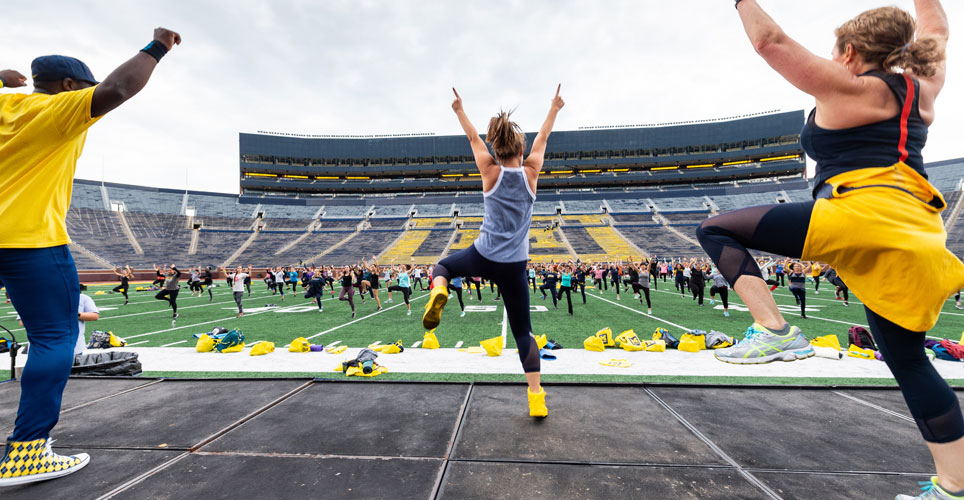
{"points": [[261, 251], [159, 223], [215, 246], [581, 206], [657, 241], [100, 232], [363, 246], [434, 243], [432, 210], [87, 195], [163, 237], [628, 205], [146, 200]]}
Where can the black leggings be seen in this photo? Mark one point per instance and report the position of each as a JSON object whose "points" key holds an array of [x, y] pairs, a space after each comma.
{"points": [[568, 291], [478, 288], [782, 230], [511, 279], [458, 292], [724, 295], [406, 291], [636, 288], [532, 279], [552, 290], [801, 295], [170, 296], [698, 291], [122, 288], [582, 290]]}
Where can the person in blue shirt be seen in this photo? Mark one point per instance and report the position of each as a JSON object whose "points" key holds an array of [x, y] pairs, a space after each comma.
{"points": [[456, 286], [565, 286]]}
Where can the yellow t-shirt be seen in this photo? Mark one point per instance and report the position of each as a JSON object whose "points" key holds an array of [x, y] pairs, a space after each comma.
{"points": [[41, 138], [815, 270]]}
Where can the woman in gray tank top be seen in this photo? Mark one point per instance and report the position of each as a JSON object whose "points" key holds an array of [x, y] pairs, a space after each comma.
{"points": [[502, 249]]}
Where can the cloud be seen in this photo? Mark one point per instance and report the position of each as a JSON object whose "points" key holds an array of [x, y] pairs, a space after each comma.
{"points": [[364, 67]]}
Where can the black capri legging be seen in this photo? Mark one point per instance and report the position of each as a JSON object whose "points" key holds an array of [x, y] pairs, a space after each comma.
{"points": [[724, 295], [782, 229], [514, 285], [406, 291]]}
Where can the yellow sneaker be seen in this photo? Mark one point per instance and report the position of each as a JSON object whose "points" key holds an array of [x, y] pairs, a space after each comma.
{"points": [[29, 461], [537, 403], [433, 310]]}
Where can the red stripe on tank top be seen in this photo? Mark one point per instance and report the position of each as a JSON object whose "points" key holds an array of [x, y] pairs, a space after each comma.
{"points": [[904, 115]]}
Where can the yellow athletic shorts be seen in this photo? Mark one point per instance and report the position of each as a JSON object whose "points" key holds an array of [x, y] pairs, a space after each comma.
{"points": [[887, 242]]}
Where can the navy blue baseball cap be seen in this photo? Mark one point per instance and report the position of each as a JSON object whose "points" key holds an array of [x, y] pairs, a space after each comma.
{"points": [[56, 68]]}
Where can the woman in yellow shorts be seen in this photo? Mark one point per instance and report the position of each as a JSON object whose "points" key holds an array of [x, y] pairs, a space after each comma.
{"points": [[874, 210]]}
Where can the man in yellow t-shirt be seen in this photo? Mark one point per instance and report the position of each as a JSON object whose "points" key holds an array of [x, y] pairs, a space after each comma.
{"points": [[42, 135]]}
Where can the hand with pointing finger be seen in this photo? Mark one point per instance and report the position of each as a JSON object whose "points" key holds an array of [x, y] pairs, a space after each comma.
{"points": [[457, 103], [557, 102]]}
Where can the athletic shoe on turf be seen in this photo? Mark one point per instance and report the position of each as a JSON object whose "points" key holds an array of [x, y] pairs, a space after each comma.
{"points": [[433, 310], [712, 302], [846, 304], [537, 403], [959, 306], [29, 461], [763, 346], [462, 315], [726, 313], [353, 314], [389, 301], [930, 490], [409, 312]]}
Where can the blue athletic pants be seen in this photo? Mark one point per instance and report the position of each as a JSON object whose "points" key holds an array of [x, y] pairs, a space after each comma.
{"points": [[50, 318]]}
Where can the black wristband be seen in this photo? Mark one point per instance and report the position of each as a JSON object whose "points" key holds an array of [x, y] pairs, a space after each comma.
{"points": [[155, 49], [737, 4]]}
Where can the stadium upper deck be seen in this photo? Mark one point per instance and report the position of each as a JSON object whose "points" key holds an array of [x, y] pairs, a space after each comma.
{"points": [[757, 146]]}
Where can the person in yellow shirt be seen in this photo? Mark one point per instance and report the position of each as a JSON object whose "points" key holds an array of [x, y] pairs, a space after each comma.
{"points": [[42, 135]]}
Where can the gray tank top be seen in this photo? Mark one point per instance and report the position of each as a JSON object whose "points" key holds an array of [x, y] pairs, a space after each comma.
{"points": [[504, 236]]}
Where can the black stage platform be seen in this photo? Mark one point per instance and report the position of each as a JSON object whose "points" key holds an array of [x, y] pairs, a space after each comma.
{"points": [[300, 438]]}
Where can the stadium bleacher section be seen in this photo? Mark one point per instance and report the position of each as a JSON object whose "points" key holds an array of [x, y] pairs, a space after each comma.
{"points": [[164, 231]]}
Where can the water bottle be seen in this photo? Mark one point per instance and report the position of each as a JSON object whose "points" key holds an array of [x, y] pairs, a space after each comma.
{"points": [[367, 367]]}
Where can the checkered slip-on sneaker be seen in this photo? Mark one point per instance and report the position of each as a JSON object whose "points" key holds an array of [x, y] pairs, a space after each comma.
{"points": [[30, 461]]}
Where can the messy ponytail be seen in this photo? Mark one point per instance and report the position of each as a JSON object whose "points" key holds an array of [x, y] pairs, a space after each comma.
{"points": [[885, 37], [505, 136]]}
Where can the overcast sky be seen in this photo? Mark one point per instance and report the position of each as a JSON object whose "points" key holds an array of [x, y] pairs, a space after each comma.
{"points": [[384, 67]]}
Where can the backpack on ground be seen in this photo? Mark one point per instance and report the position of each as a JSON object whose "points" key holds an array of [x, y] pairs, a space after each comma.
{"points": [[860, 337]]}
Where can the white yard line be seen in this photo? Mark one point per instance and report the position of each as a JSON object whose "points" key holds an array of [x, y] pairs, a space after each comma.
{"points": [[365, 317], [640, 312], [138, 343], [174, 343], [416, 344], [458, 344], [505, 325]]}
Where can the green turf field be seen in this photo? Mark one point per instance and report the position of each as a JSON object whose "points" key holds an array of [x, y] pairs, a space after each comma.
{"points": [[147, 321]]}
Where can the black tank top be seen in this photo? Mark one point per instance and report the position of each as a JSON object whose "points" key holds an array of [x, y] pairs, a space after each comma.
{"points": [[879, 144]]}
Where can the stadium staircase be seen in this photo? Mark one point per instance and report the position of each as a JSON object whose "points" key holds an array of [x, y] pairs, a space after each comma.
{"points": [[244, 246], [84, 256], [130, 234], [336, 246], [195, 238], [954, 210], [679, 234]]}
